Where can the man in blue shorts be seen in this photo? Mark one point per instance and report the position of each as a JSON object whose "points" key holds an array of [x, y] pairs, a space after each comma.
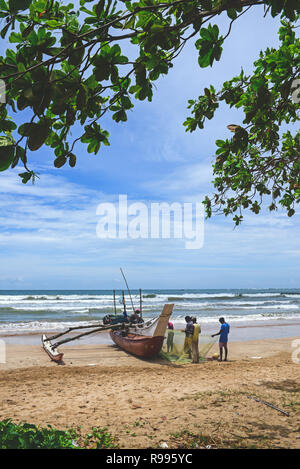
{"points": [[223, 340]]}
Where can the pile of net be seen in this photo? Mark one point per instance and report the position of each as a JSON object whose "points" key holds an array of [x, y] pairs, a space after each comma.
{"points": [[176, 350]]}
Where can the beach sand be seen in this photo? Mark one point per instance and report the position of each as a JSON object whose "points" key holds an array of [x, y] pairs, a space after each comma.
{"points": [[144, 403]]}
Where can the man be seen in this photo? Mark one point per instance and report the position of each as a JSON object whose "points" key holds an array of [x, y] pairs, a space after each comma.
{"points": [[170, 337], [189, 332], [223, 340], [195, 341], [135, 317]]}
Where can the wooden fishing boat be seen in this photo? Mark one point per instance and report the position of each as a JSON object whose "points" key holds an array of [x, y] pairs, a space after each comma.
{"points": [[141, 345], [135, 339]]}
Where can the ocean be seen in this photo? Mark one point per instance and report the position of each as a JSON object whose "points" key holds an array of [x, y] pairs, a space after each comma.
{"points": [[35, 311]]}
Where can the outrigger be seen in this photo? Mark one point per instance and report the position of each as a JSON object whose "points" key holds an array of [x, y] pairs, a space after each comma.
{"points": [[52, 349]]}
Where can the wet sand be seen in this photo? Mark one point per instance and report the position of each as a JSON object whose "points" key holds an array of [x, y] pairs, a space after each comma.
{"points": [[144, 403]]}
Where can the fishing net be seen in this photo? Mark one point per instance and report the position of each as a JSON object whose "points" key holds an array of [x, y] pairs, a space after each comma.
{"points": [[176, 348]]}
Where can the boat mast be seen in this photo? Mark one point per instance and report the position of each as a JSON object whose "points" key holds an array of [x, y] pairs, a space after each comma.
{"points": [[127, 289], [115, 309], [124, 303], [141, 301]]}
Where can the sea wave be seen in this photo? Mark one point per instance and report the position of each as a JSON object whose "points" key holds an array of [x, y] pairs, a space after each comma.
{"points": [[27, 327], [41, 326], [41, 310]]}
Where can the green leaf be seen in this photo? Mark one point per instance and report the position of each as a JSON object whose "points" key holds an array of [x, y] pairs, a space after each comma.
{"points": [[99, 7], [3, 5], [76, 56], [26, 176], [7, 154], [60, 161], [72, 160], [15, 37], [232, 14], [205, 59], [81, 98], [205, 34], [7, 126], [37, 137], [25, 129], [102, 70], [4, 30], [21, 154], [27, 31], [19, 5]]}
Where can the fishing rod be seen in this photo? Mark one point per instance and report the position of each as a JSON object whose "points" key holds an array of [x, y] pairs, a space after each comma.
{"points": [[127, 289]]}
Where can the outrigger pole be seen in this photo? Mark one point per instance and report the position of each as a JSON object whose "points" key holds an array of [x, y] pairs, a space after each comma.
{"points": [[103, 328], [127, 288], [73, 329]]}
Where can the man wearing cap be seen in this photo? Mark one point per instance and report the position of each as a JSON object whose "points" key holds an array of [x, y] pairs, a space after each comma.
{"points": [[189, 332]]}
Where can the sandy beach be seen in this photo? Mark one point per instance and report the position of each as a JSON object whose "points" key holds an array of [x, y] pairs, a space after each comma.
{"points": [[145, 403]]}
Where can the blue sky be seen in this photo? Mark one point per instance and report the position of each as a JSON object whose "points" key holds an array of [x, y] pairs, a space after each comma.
{"points": [[48, 231]]}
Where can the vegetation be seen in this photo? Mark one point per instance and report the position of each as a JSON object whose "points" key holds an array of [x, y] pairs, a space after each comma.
{"points": [[28, 436], [67, 67], [261, 159]]}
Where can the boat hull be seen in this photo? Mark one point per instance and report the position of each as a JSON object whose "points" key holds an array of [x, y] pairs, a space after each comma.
{"points": [[139, 345]]}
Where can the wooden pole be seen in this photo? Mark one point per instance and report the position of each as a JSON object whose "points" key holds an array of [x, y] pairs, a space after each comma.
{"points": [[73, 329], [124, 303], [141, 301], [127, 288], [269, 404], [115, 302], [99, 329]]}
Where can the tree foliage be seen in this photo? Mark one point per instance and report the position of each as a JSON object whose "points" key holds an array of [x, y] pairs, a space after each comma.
{"points": [[67, 67], [263, 156]]}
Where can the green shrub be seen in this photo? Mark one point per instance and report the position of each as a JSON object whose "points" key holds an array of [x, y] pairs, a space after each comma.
{"points": [[29, 436]]}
